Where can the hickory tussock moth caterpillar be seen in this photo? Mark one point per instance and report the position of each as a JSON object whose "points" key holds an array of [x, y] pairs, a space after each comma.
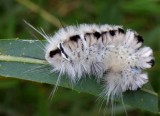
{"points": [[113, 55]]}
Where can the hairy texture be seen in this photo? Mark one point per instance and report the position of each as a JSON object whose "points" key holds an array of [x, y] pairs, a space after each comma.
{"points": [[111, 54]]}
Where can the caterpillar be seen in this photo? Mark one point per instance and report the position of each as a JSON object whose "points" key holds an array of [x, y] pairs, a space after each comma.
{"points": [[113, 55]]}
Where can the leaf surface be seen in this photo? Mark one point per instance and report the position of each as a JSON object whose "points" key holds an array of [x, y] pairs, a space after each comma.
{"points": [[24, 59]]}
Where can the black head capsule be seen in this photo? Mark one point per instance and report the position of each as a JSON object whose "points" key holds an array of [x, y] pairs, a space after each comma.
{"points": [[75, 38], [54, 52], [139, 39]]}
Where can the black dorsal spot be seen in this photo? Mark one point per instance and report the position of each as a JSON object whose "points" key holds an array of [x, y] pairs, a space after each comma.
{"points": [[75, 38], [120, 30], [152, 62], [54, 52], [139, 38], [112, 32], [97, 35]]}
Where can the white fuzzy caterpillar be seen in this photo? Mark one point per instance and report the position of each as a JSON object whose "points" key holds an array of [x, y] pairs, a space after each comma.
{"points": [[111, 54]]}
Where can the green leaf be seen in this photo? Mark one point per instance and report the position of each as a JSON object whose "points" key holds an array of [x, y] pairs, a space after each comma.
{"points": [[24, 59]]}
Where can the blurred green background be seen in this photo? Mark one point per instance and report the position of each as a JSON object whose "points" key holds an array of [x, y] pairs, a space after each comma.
{"points": [[24, 98]]}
